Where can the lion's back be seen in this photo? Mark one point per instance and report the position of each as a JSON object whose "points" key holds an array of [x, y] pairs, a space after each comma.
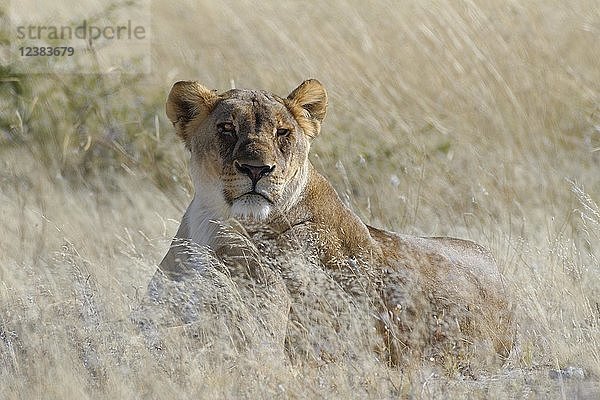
{"points": [[458, 282]]}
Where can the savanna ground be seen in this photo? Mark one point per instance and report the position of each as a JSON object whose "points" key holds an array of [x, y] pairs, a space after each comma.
{"points": [[478, 120]]}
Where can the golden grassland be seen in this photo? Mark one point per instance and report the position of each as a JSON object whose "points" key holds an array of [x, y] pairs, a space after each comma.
{"points": [[478, 120]]}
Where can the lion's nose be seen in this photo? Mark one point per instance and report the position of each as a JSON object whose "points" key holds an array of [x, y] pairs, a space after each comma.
{"points": [[254, 172]]}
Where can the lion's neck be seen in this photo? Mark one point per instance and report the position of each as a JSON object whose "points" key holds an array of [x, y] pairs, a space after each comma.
{"points": [[205, 212], [202, 222], [347, 234], [198, 229], [295, 190]]}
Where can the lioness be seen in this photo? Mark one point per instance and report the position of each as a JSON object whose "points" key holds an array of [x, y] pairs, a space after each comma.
{"points": [[249, 163]]}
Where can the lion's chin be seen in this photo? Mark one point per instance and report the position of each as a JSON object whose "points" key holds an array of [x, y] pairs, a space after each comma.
{"points": [[251, 207]]}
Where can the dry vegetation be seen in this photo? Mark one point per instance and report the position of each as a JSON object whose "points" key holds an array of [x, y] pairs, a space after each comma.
{"points": [[472, 119]]}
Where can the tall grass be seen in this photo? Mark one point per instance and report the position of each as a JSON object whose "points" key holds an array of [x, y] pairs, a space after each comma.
{"points": [[472, 119]]}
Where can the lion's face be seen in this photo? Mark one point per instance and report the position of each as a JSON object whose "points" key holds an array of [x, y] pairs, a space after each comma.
{"points": [[259, 149], [249, 148]]}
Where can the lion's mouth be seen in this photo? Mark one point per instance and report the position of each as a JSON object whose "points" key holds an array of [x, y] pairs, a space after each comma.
{"points": [[255, 193]]}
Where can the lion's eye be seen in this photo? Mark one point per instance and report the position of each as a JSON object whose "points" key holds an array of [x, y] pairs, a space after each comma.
{"points": [[283, 132], [226, 128]]}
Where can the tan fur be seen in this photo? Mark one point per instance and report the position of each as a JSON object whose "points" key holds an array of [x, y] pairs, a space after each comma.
{"points": [[441, 293]]}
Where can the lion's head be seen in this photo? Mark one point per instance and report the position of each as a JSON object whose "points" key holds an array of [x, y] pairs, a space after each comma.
{"points": [[249, 148]]}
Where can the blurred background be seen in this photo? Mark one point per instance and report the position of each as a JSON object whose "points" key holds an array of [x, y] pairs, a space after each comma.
{"points": [[475, 119]]}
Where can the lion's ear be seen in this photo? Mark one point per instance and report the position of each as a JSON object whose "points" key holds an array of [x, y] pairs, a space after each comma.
{"points": [[312, 97], [188, 100]]}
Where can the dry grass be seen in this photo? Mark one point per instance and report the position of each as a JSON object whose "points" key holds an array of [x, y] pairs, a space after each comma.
{"points": [[472, 119]]}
